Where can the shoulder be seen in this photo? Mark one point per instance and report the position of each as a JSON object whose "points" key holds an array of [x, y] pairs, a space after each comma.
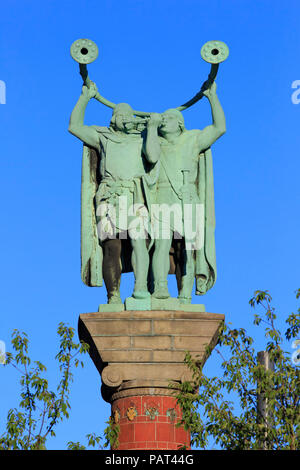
{"points": [[194, 133], [101, 129], [199, 137], [191, 134]]}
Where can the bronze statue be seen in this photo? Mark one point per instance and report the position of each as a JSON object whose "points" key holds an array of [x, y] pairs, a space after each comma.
{"points": [[147, 192]]}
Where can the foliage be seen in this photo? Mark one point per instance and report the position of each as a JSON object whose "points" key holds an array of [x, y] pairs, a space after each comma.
{"points": [[211, 413], [40, 409], [92, 441], [111, 434]]}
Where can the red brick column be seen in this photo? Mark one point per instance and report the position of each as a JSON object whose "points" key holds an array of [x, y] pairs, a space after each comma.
{"points": [[149, 422]]}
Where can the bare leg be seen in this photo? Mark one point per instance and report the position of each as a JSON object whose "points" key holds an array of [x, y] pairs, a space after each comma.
{"points": [[188, 277], [140, 264], [161, 266], [112, 269]]}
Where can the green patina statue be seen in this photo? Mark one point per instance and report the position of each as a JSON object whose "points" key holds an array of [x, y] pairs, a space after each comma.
{"points": [[147, 197]]}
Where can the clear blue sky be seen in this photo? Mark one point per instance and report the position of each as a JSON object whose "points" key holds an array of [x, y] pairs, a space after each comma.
{"points": [[149, 56]]}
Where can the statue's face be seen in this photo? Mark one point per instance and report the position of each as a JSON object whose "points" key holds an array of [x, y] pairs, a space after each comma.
{"points": [[124, 121], [170, 124]]}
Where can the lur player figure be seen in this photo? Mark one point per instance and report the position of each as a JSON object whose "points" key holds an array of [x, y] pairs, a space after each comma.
{"points": [[180, 150], [120, 170]]}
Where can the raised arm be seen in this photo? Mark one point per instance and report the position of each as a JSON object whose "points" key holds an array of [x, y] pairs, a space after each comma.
{"points": [[152, 145], [211, 133], [87, 134]]}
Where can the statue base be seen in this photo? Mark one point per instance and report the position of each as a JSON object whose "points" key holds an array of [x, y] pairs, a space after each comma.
{"points": [[151, 303], [140, 357], [137, 304], [111, 308]]}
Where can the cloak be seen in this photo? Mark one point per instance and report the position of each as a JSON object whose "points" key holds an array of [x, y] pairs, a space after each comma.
{"points": [[206, 270], [91, 251]]}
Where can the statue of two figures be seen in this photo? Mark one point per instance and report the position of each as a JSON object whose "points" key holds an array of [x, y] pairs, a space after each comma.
{"points": [[147, 203]]}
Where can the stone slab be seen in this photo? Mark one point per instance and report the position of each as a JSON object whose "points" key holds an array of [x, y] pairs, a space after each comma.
{"points": [[111, 308], [152, 314]]}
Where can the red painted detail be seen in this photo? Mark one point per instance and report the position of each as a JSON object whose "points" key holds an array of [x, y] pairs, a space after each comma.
{"points": [[154, 426]]}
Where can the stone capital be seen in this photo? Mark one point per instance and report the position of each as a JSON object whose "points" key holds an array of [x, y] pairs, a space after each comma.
{"points": [[140, 352]]}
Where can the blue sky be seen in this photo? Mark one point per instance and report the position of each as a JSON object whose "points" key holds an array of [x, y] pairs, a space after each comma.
{"points": [[149, 56]]}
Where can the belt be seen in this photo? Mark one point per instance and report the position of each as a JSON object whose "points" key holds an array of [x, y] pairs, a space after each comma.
{"points": [[118, 183]]}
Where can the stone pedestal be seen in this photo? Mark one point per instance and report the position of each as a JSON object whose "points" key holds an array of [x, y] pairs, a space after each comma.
{"points": [[139, 354]]}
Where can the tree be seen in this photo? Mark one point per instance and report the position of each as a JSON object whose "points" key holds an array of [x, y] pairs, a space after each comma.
{"points": [[40, 409], [239, 424]]}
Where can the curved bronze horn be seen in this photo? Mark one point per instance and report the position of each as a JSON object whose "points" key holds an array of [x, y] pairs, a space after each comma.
{"points": [[213, 52], [85, 51]]}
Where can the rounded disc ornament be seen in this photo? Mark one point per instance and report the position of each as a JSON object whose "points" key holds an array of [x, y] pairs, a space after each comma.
{"points": [[84, 51], [214, 52]]}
